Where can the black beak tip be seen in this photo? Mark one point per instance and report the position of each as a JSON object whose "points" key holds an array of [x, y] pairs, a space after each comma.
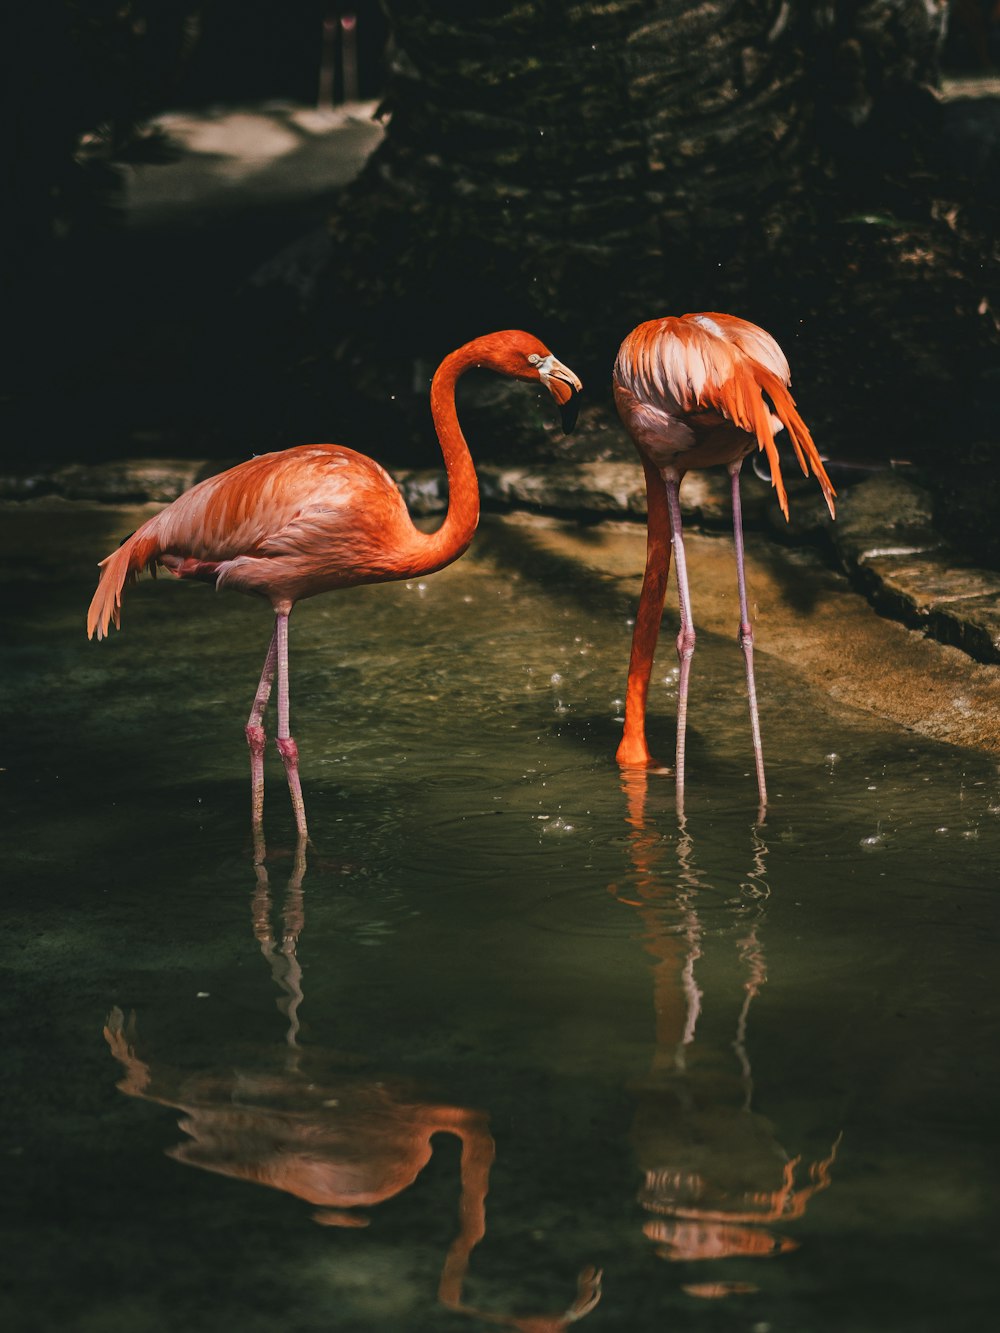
{"points": [[569, 411]]}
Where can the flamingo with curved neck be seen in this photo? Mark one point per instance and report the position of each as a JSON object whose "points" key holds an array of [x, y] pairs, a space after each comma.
{"points": [[288, 525]]}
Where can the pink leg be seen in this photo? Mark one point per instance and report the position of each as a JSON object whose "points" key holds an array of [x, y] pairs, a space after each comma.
{"points": [[255, 740], [286, 744], [686, 634], [746, 633]]}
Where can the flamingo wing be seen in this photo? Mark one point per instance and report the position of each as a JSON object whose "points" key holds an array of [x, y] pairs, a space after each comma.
{"points": [[324, 505], [253, 508]]}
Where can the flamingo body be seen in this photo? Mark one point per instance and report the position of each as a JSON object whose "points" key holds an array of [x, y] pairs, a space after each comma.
{"points": [[284, 526], [288, 525], [696, 391]]}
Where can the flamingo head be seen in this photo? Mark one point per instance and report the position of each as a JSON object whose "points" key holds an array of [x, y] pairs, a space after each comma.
{"points": [[522, 356]]}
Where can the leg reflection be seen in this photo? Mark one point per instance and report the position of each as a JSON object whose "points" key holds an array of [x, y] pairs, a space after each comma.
{"points": [[716, 1177]]}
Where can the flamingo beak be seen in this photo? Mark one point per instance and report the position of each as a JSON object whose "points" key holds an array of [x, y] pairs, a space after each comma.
{"points": [[564, 387]]}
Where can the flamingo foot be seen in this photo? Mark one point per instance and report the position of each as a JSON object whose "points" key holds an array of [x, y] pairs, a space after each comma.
{"points": [[634, 758], [633, 752]]}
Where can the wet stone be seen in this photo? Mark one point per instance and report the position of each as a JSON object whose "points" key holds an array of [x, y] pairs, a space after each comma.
{"points": [[926, 583], [153, 480], [612, 489], [425, 491], [889, 514], [885, 539], [601, 488], [972, 625]]}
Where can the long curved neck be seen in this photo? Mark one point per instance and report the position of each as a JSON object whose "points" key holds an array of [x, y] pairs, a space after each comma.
{"points": [[447, 543]]}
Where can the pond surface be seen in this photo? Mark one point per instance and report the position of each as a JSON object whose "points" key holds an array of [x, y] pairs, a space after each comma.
{"points": [[510, 1041]]}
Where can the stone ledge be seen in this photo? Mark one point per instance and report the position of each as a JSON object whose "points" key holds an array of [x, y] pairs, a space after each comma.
{"points": [[883, 537], [130, 481]]}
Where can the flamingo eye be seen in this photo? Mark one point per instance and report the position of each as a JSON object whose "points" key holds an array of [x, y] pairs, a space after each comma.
{"points": [[534, 359]]}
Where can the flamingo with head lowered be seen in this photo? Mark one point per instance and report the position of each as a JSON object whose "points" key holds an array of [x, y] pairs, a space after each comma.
{"points": [[695, 391], [288, 525]]}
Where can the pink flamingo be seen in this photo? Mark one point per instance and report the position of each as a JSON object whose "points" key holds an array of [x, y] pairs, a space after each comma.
{"points": [[691, 392], [288, 525]]}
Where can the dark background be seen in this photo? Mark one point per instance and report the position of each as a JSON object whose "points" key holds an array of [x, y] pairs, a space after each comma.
{"points": [[867, 242]]}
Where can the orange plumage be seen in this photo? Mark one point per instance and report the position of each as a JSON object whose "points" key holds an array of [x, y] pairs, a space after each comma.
{"points": [[696, 391], [690, 391], [286, 526]]}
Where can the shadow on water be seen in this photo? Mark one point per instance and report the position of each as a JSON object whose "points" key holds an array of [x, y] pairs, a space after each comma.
{"points": [[541, 1054]]}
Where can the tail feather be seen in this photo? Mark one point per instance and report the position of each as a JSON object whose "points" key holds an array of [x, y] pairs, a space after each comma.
{"points": [[741, 399], [801, 440], [120, 568]]}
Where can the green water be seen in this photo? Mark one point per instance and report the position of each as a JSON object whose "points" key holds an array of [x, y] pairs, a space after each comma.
{"points": [[504, 986]]}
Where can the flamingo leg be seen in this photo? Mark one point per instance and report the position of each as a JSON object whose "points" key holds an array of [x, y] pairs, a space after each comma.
{"points": [[686, 634], [633, 749], [746, 632], [286, 744], [255, 739]]}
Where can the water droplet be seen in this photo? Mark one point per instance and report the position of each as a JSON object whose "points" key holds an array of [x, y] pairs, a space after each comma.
{"points": [[556, 678], [558, 825]]}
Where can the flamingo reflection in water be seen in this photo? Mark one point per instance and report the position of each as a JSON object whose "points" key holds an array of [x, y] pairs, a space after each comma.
{"points": [[716, 1179], [327, 1131]]}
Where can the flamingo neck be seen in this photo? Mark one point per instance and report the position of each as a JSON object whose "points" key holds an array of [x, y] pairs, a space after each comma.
{"points": [[447, 543]]}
